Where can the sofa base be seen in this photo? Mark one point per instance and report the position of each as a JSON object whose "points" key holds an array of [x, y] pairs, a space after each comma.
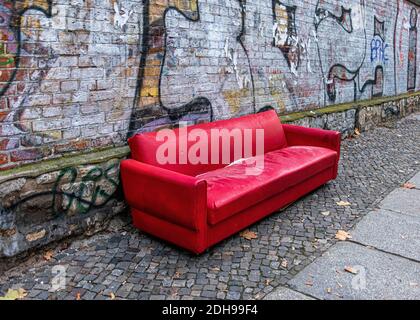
{"points": [[254, 214], [199, 241]]}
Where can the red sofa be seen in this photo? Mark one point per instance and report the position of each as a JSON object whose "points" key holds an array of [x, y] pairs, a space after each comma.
{"points": [[197, 205]]}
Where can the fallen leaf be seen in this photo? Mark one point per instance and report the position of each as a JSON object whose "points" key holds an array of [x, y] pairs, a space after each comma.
{"points": [[297, 262], [342, 235], [112, 296], [344, 204], [177, 275], [267, 282], [329, 290], [326, 213], [78, 296], [409, 186], [284, 263], [357, 132], [351, 270], [48, 255], [248, 235], [15, 294]]}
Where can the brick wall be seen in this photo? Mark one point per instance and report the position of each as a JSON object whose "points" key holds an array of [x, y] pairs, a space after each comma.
{"points": [[78, 76]]}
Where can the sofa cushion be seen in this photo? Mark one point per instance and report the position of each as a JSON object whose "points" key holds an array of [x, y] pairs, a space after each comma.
{"points": [[231, 190], [144, 147]]}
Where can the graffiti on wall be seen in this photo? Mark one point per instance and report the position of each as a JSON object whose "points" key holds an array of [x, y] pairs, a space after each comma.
{"points": [[412, 51], [154, 41], [378, 46], [11, 13], [285, 34], [10, 36], [163, 87], [13, 52], [70, 191], [201, 64]]}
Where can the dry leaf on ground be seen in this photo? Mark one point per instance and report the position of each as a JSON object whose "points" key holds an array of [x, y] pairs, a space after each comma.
{"points": [[284, 263], [248, 235], [15, 294], [342, 235], [344, 204], [78, 296], [48, 255], [325, 213], [409, 185], [112, 296], [351, 270], [357, 132]]}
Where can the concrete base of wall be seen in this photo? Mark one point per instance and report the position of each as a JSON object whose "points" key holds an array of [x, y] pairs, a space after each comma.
{"points": [[48, 201], [52, 200]]}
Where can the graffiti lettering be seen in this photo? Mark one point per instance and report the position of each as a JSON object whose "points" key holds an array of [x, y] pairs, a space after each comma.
{"points": [[78, 190], [378, 51]]}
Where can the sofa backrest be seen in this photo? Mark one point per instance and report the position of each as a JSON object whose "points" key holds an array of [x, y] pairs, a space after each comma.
{"points": [[218, 135]]}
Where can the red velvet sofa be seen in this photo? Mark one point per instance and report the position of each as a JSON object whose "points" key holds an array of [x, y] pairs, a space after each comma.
{"points": [[197, 205]]}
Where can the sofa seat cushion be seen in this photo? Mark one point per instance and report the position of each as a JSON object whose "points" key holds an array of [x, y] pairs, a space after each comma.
{"points": [[231, 189]]}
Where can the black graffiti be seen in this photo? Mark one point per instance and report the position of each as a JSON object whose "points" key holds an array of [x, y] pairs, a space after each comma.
{"points": [[412, 51], [17, 11], [197, 105], [379, 29], [340, 72], [344, 20], [240, 37], [83, 196], [376, 84]]}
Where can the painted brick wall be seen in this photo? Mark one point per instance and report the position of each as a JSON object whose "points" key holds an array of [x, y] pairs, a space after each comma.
{"points": [[82, 75]]}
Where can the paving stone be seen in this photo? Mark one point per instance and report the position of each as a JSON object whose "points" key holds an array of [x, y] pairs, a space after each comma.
{"points": [[416, 180], [284, 293], [403, 200], [381, 276], [389, 231]]}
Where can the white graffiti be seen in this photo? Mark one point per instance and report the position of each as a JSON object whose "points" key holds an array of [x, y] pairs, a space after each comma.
{"points": [[121, 16]]}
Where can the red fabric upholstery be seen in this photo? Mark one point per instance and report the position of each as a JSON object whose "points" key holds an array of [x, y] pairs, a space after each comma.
{"points": [[261, 210], [144, 147], [197, 205], [169, 195], [194, 241], [230, 190]]}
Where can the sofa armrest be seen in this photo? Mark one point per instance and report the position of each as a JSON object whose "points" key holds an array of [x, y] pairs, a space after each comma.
{"points": [[165, 194], [302, 136]]}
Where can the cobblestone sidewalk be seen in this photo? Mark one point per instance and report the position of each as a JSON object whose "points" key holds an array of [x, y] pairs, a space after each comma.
{"points": [[131, 265]]}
